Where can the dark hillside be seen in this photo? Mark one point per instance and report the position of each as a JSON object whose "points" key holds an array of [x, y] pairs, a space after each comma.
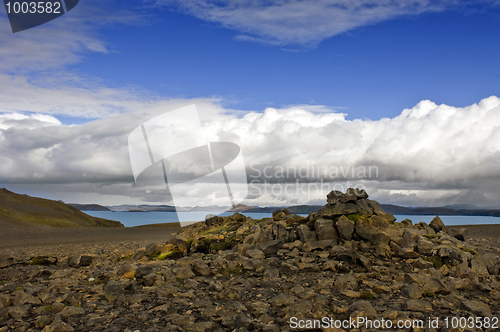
{"points": [[23, 210]]}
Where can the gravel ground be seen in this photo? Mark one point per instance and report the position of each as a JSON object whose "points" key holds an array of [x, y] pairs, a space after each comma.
{"points": [[14, 236]]}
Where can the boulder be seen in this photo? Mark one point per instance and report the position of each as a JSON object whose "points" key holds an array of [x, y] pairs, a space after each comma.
{"points": [[410, 238], [346, 281], [5, 301], [77, 261], [139, 254], [305, 234], [407, 253], [377, 209], [449, 253], [338, 209], [5, 261], [143, 271], [364, 228], [183, 272], [477, 307], [425, 247], [271, 248], [151, 249], [423, 228], [362, 308], [179, 243], [112, 290], [212, 219], [406, 223], [283, 213], [344, 254], [279, 215], [381, 237], [479, 267], [255, 253], [283, 300], [25, 298], [436, 224], [325, 230], [201, 268], [58, 326], [322, 244], [418, 305], [460, 234], [492, 262], [238, 217], [333, 197], [345, 228], [412, 291], [71, 311], [364, 208]]}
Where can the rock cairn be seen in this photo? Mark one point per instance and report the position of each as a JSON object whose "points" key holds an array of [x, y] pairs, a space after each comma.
{"points": [[350, 259]]}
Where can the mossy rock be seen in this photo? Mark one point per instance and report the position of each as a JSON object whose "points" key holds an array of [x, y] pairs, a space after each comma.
{"points": [[125, 258], [155, 254], [436, 261], [208, 245], [367, 295], [42, 260], [238, 217], [469, 250], [354, 216], [189, 242], [236, 271], [429, 294], [172, 254], [432, 236], [201, 245], [220, 229], [220, 246]]}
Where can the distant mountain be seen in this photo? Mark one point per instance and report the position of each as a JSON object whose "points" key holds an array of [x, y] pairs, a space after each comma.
{"points": [[89, 207], [209, 208], [24, 210], [240, 207], [449, 210], [304, 209], [142, 208], [295, 209], [462, 207], [441, 211]]}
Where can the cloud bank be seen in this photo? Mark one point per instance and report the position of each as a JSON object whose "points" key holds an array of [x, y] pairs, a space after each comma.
{"points": [[428, 155]]}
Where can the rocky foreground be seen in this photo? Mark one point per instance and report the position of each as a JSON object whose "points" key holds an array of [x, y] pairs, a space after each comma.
{"points": [[348, 260]]}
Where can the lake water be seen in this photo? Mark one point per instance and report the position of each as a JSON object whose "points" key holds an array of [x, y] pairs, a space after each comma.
{"points": [[131, 219], [453, 220]]}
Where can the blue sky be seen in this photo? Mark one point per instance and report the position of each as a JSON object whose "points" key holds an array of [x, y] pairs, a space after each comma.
{"points": [[371, 71], [411, 88]]}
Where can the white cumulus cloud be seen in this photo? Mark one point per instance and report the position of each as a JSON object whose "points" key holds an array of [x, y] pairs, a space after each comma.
{"points": [[428, 155]]}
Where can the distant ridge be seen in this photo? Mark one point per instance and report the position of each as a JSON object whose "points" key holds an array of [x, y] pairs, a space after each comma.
{"points": [[23, 210], [442, 211], [449, 210], [89, 207], [141, 208]]}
